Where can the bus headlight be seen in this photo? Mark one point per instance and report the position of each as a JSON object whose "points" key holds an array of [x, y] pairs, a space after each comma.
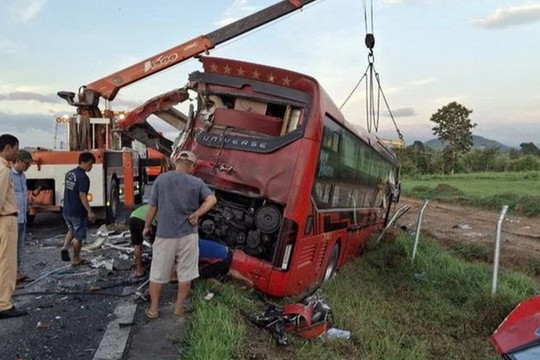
{"points": [[286, 257]]}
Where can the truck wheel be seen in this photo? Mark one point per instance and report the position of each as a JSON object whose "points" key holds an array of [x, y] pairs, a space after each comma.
{"points": [[114, 203], [331, 264]]}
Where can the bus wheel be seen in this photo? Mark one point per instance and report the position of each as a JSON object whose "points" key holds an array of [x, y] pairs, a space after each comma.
{"points": [[331, 264], [114, 203]]}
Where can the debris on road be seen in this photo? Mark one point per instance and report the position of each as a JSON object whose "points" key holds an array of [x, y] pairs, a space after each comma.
{"points": [[309, 319], [43, 325], [335, 333]]}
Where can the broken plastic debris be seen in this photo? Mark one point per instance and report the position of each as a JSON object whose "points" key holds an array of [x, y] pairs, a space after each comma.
{"points": [[335, 333], [43, 325], [107, 264], [102, 231], [209, 296]]}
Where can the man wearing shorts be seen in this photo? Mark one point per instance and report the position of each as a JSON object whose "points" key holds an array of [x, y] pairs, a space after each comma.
{"points": [[76, 207], [179, 199], [136, 227]]}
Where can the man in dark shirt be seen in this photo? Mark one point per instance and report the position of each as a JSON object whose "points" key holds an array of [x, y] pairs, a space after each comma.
{"points": [[76, 207]]}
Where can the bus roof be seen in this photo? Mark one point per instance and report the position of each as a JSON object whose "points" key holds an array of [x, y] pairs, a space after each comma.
{"points": [[290, 79]]}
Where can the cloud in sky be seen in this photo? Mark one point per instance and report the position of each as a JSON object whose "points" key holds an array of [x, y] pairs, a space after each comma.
{"points": [[237, 10], [28, 95], [27, 123], [55, 99], [510, 16], [7, 46], [27, 10], [402, 112]]}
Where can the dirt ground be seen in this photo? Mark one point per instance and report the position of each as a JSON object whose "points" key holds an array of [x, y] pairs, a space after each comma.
{"points": [[455, 225]]}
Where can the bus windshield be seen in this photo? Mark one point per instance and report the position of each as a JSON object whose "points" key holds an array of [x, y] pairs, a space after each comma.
{"points": [[248, 115]]}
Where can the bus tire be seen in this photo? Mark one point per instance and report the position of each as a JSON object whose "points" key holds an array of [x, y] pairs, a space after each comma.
{"points": [[114, 203], [331, 265]]}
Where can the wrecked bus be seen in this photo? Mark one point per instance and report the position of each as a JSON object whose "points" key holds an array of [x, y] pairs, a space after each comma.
{"points": [[300, 190]]}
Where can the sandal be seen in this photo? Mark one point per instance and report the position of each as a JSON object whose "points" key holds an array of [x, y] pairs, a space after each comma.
{"points": [[179, 312], [151, 315]]}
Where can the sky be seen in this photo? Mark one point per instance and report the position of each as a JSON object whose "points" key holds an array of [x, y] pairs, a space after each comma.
{"points": [[484, 54]]}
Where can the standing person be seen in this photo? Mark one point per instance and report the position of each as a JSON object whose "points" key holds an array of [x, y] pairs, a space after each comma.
{"points": [[9, 145], [179, 199], [76, 208], [21, 164], [136, 228]]}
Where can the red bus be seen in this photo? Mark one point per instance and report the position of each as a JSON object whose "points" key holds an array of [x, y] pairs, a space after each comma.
{"points": [[299, 189]]}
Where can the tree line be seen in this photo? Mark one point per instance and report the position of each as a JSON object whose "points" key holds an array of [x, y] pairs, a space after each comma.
{"points": [[454, 128]]}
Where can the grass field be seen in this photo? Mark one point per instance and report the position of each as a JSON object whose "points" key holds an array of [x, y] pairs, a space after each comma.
{"points": [[438, 308], [521, 191]]}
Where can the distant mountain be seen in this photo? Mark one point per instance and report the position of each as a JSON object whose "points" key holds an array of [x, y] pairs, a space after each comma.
{"points": [[479, 142]]}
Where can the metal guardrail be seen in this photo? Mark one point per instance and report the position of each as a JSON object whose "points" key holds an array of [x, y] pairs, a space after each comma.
{"points": [[418, 228], [497, 250]]}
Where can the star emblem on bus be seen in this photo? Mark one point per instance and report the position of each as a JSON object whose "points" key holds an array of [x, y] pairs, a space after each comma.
{"points": [[271, 77], [256, 74], [213, 67], [286, 81], [227, 69], [241, 71]]}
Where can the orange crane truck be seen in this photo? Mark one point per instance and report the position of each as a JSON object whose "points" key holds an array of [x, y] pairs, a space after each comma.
{"points": [[118, 174]]}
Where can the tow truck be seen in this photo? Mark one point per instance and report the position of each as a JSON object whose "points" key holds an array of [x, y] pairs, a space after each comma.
{"points": [[119, 174], [117, 177]]}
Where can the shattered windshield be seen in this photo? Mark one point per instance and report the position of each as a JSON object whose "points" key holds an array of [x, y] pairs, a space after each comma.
{"points": [[259, 117]]}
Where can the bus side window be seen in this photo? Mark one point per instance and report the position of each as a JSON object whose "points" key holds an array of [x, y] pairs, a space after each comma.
{"points": [[336, 141], [327, 191], [309, 225]]}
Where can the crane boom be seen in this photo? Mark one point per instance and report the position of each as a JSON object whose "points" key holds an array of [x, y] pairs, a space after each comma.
{"points": [[108, 87]]}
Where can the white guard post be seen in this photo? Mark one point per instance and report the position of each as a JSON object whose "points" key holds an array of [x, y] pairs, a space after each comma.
{"points": [[497, 250], [418, 227]]}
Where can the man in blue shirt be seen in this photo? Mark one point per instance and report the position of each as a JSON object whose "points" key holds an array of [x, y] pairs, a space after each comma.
{"points": [[76, 207], [21, 164], [178, 199], [215, 262]]}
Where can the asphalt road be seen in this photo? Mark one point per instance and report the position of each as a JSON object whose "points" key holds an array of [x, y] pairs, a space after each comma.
{"points": [[69, 309]]}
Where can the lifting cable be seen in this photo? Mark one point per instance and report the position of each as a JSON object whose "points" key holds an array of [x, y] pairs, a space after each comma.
{"points": [[372, 79]]}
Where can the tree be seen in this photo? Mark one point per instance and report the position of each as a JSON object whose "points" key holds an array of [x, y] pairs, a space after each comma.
{"points": [[454, 129], [529, 149]]}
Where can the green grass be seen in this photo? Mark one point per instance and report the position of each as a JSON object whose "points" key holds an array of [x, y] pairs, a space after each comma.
{"points": [[440, 307], [521, 191], [216, 329]]}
